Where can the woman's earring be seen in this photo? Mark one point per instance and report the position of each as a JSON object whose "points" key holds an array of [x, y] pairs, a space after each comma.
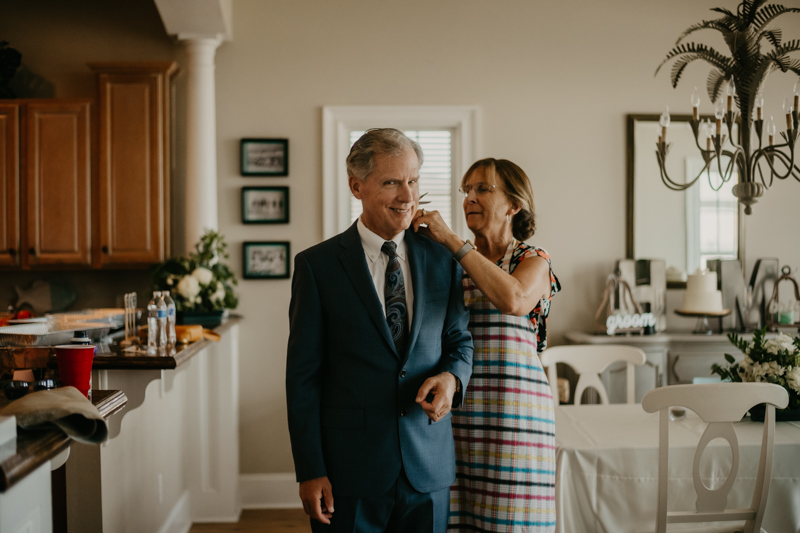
{"points": [[508, 218]]}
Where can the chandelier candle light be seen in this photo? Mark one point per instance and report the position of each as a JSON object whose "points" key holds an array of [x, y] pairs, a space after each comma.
{"points": [[743, 74]]}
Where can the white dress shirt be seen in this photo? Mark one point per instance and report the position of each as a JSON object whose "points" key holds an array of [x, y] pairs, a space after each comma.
{"points": [[377, 261]]}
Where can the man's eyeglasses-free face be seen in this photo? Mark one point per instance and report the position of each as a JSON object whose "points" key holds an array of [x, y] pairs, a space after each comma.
{"points": [[480, 189]]}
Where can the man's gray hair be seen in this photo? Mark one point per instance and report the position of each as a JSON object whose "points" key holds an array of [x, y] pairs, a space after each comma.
{"points": [[385, 141]]}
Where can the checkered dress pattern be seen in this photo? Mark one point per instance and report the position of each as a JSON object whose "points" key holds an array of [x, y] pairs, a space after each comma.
{"points": [[505, 430]]}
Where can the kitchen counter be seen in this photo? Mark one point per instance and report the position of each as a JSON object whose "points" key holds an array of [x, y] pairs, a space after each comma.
{"points": [[179, 432], [113, 358], [35, 447]]}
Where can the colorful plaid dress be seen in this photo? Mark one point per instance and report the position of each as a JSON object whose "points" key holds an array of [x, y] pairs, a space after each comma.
{"points": [[505, 430]]}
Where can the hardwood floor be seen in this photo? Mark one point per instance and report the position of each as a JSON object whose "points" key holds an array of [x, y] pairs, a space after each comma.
{"points": [[261, 521]]}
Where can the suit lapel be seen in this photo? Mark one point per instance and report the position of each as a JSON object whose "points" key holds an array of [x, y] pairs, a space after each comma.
{"points": [[416, 259], [355, 264]]}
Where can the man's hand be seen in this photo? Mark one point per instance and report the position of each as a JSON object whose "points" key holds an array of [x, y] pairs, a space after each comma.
{"points": [[317, 499], [442, 386]]}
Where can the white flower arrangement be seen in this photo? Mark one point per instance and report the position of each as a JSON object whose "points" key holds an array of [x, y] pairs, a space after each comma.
{"points": [[766, 361], [201, 281]]}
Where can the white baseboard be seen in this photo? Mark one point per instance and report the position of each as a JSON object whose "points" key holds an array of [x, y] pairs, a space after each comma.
{"points": [[269, 491], [179, 519]]}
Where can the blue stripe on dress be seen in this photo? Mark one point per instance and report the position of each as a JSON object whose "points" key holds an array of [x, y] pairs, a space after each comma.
{"points": [[485, 414], [502, 468], [488, 518], [492, 362]]}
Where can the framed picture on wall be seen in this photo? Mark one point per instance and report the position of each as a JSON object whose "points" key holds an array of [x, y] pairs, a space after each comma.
{"points": [[264, 157], [265, 205], [265, 260]]}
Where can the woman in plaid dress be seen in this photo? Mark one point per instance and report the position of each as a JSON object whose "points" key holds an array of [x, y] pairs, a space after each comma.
{"points": [[505, 430]]}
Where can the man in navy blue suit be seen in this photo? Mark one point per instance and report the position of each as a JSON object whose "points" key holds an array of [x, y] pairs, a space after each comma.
{"points": [[378, 354]]}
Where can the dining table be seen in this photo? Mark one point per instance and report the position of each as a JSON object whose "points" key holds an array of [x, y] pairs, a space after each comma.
{"points": [[607, 468]]}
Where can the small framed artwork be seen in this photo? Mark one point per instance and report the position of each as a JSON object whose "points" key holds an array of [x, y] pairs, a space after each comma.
{"points": [[265, 157], [265, 205], [265, 260]]}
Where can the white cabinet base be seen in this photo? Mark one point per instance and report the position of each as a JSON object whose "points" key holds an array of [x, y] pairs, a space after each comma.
{"points": [[26, 507]]}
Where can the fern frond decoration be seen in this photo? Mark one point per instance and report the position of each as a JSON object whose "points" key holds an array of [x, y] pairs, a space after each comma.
{"points": [[773, 36], [770, 13], [703, 52], [794, 66], [785, 48], [714, 83], [728, 14], [722, 25]]}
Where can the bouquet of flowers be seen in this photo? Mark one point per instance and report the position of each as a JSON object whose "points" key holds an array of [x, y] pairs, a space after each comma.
{"points": [[767, 361], [199, 282]]}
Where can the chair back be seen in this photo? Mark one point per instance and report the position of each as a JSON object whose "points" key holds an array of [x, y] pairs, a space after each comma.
{"points": [[718, 404], [589, 361]]}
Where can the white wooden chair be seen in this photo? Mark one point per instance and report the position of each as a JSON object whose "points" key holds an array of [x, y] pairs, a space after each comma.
{"points": [[718, 404], [590, 361]]}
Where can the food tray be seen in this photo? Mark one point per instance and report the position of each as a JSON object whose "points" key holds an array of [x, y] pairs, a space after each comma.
{"points": [[48, 334], [111, 316]]}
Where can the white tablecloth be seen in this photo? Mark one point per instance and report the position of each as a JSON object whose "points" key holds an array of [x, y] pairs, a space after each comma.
{"points": [[607, 469]]}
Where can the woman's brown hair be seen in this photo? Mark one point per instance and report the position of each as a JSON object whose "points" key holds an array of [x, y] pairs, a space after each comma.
{"points": [[517, 186]]}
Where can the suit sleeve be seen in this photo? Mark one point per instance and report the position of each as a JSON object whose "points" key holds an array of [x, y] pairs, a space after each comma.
{"points": [[304, 361], [457, 348]]}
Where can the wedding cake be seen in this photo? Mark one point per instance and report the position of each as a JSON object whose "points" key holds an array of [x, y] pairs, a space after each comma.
{"points": [[701, 294]]}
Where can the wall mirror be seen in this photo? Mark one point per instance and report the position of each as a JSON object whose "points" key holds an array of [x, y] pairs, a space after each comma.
{"points": [[685, 228]]}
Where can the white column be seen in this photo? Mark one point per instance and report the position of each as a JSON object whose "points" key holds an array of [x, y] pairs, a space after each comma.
{"points": [[201, 138]]}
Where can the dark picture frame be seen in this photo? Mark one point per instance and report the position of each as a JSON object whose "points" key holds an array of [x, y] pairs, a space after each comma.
{"points": [[264, 157], [265, 205], [266, 259]]}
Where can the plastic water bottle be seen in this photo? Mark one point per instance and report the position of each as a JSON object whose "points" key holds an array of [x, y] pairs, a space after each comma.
{"points": [[172, 338], [161, 306], [152, 323]]}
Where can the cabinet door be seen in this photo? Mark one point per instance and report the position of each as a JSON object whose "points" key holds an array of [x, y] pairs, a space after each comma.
{"points": [[9, 185], [56, 183], [133, 112]]}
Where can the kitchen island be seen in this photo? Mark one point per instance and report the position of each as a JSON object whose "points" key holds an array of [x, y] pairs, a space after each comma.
{"points": [[172, 457]]}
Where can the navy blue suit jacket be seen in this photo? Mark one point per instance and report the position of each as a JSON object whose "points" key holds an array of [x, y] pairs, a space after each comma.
{"points": [[350, 394]]}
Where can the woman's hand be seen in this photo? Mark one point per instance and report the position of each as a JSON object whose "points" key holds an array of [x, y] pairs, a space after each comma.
{"points": [[437, 230]]}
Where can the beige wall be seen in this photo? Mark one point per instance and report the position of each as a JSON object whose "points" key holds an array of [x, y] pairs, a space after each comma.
{"points": [[554, 82]]}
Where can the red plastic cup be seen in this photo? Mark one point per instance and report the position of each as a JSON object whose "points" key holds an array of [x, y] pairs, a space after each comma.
{"points": [[75, 366]]}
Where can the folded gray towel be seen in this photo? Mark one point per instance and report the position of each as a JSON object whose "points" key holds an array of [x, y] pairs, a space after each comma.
{"points": [[65, 408]]}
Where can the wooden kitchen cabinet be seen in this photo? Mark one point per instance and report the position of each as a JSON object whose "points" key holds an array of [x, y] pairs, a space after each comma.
{"points": [[133, 175], [9, 185], [55, 183], [45, 185]]}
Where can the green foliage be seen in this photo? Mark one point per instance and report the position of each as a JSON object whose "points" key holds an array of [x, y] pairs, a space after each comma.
{"points": [[766, 361], [200, 281]]}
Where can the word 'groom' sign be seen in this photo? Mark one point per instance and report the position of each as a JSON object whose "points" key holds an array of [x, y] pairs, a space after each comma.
{"points": [[615, 322]]}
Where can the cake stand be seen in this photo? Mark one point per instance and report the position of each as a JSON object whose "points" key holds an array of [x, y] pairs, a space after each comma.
{"points": [[703, 327]]}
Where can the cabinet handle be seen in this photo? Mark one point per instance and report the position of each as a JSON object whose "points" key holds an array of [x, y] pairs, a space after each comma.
{"points": [[12, 252], [104, 249], [32, 251]]}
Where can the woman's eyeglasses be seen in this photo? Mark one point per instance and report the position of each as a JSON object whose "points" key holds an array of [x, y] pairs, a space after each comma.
{"points": [[480, 189]]}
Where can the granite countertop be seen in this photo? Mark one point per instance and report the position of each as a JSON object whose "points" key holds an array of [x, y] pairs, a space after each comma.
{"points": [[35, 447], [113, 358]]}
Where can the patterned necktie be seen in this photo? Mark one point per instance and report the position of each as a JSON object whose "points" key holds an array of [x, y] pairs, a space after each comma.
{"points": [[394, 293]]}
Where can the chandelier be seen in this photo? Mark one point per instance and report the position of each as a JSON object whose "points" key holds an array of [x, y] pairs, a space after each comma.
{"points": [[742, 74]]}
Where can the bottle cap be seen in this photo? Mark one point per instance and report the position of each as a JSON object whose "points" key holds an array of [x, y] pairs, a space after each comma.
{"points": [[156, 294], [80, 337]]}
